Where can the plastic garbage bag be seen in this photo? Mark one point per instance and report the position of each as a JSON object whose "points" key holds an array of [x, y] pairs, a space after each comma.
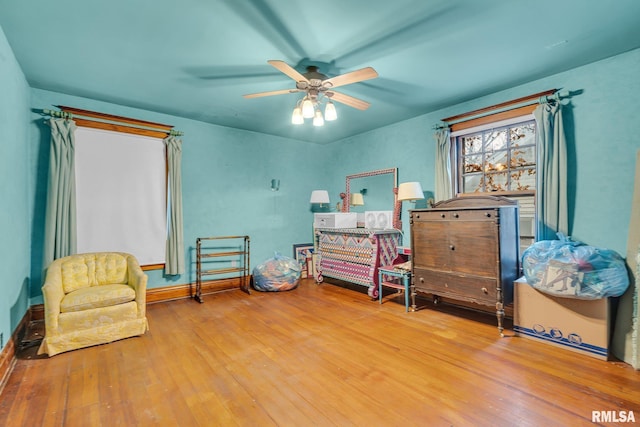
{"points": [[279, 273], [568, 268]]}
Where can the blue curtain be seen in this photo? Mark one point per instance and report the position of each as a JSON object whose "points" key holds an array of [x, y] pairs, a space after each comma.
{"points": [[443, 189], [60, 215], [551, 185], [174, 262]]}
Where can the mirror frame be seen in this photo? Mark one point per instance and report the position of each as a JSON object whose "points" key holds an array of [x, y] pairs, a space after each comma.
{"points": [[346, 196]]}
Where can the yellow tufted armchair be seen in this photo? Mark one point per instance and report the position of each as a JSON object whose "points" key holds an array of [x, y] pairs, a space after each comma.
{"points": [[93, 298]]}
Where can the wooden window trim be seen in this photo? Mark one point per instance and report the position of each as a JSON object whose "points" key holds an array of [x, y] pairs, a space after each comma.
{"points": [[152, 267], [115, 125], [489, 117]]}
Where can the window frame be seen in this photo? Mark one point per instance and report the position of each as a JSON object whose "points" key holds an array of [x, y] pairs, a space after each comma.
{"points": [[109, 122], [456, 179]]}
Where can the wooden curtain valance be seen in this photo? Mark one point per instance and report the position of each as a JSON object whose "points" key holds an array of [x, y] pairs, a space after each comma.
{"points": [[521, 107], [93, 119]]}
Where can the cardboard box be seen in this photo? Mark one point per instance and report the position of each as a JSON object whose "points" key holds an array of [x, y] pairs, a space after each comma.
{"points": [[574, 324], [335, 220]]}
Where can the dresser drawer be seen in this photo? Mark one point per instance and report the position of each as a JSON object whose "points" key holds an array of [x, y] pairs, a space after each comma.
{"points": [[351, 272], [469, 288], [355, 254], [454, 215]]}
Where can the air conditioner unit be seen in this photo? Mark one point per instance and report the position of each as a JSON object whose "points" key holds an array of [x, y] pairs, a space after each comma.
{"points": [[378, 219]]}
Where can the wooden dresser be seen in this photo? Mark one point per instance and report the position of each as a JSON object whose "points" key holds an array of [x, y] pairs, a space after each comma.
{"points": [[466, 249], [355, 254]]}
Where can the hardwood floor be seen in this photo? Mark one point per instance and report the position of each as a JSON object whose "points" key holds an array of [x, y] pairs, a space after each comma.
{"points": [[318, 355]]}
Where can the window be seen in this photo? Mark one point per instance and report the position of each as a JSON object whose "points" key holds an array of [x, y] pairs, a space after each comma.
{"points": [[121, 185], [493, 150], [121, 194], [500, 158]]}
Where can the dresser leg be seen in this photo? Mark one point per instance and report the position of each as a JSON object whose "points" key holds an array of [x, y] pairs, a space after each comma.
{"points": [[500, 316], [413, 298]]}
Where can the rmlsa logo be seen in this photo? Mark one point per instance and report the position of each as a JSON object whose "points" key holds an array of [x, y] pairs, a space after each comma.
{"points": [[613, 417]]}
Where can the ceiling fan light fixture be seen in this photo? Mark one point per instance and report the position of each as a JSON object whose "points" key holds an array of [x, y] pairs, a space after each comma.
{"points": [[307, 108], [318, 120], [318, 89], [296, 117], [330, 112]]}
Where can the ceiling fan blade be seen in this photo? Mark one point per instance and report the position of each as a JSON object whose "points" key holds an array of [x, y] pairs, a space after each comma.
{"points": [[348, 100], [352, 77], [288, 70], [270, 93]]}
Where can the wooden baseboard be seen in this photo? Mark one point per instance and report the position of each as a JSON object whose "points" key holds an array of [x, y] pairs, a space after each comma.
{"points": [[188, 290], [37, 312], [8, 353], [7, 360]]}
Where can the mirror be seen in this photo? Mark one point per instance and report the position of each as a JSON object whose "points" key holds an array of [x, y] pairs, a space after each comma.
{"points": [[378, 189]]}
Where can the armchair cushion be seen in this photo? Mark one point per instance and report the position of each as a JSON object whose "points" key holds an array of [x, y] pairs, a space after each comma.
{"points": [[93, 298], [81, 271], [96, 297]]}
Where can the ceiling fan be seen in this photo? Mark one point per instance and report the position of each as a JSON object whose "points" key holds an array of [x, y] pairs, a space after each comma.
{"points": [[317, 88]]}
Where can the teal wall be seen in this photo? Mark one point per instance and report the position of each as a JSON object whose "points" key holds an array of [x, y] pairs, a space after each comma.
{"points": [[227, 172], [15, 226], [226, 179], [603, 137]]}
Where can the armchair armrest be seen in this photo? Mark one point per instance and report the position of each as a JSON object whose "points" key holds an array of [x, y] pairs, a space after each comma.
{"points": [[138, 281], [52, 294]]}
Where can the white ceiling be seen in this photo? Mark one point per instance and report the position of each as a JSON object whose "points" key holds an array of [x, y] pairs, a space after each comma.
{"points": [[196, 58]]}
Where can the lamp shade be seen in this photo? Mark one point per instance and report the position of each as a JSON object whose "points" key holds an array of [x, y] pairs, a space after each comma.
{"points": [[330, 112], [307, 108], [319, 196], [410, 191], [296, 117], [317, 119], [357, 199]]}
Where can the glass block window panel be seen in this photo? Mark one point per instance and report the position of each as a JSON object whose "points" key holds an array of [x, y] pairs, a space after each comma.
{"points": [[523, 157], [495, 140], [496, 181], [496, 160], [472, 144], [523, 135], [473, 163], [523, 179], [473, 183]]}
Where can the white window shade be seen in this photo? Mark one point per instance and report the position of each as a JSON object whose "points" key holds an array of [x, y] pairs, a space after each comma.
{"points": [[121, 194]]}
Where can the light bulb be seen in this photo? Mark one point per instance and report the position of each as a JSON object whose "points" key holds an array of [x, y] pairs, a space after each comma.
{"points": [[330, 112], [296, 117], [307, 108], [317, 119]]}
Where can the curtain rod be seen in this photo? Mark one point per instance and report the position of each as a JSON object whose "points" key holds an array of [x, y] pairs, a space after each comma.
{"points": [[556, 97], [67, 115]]}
